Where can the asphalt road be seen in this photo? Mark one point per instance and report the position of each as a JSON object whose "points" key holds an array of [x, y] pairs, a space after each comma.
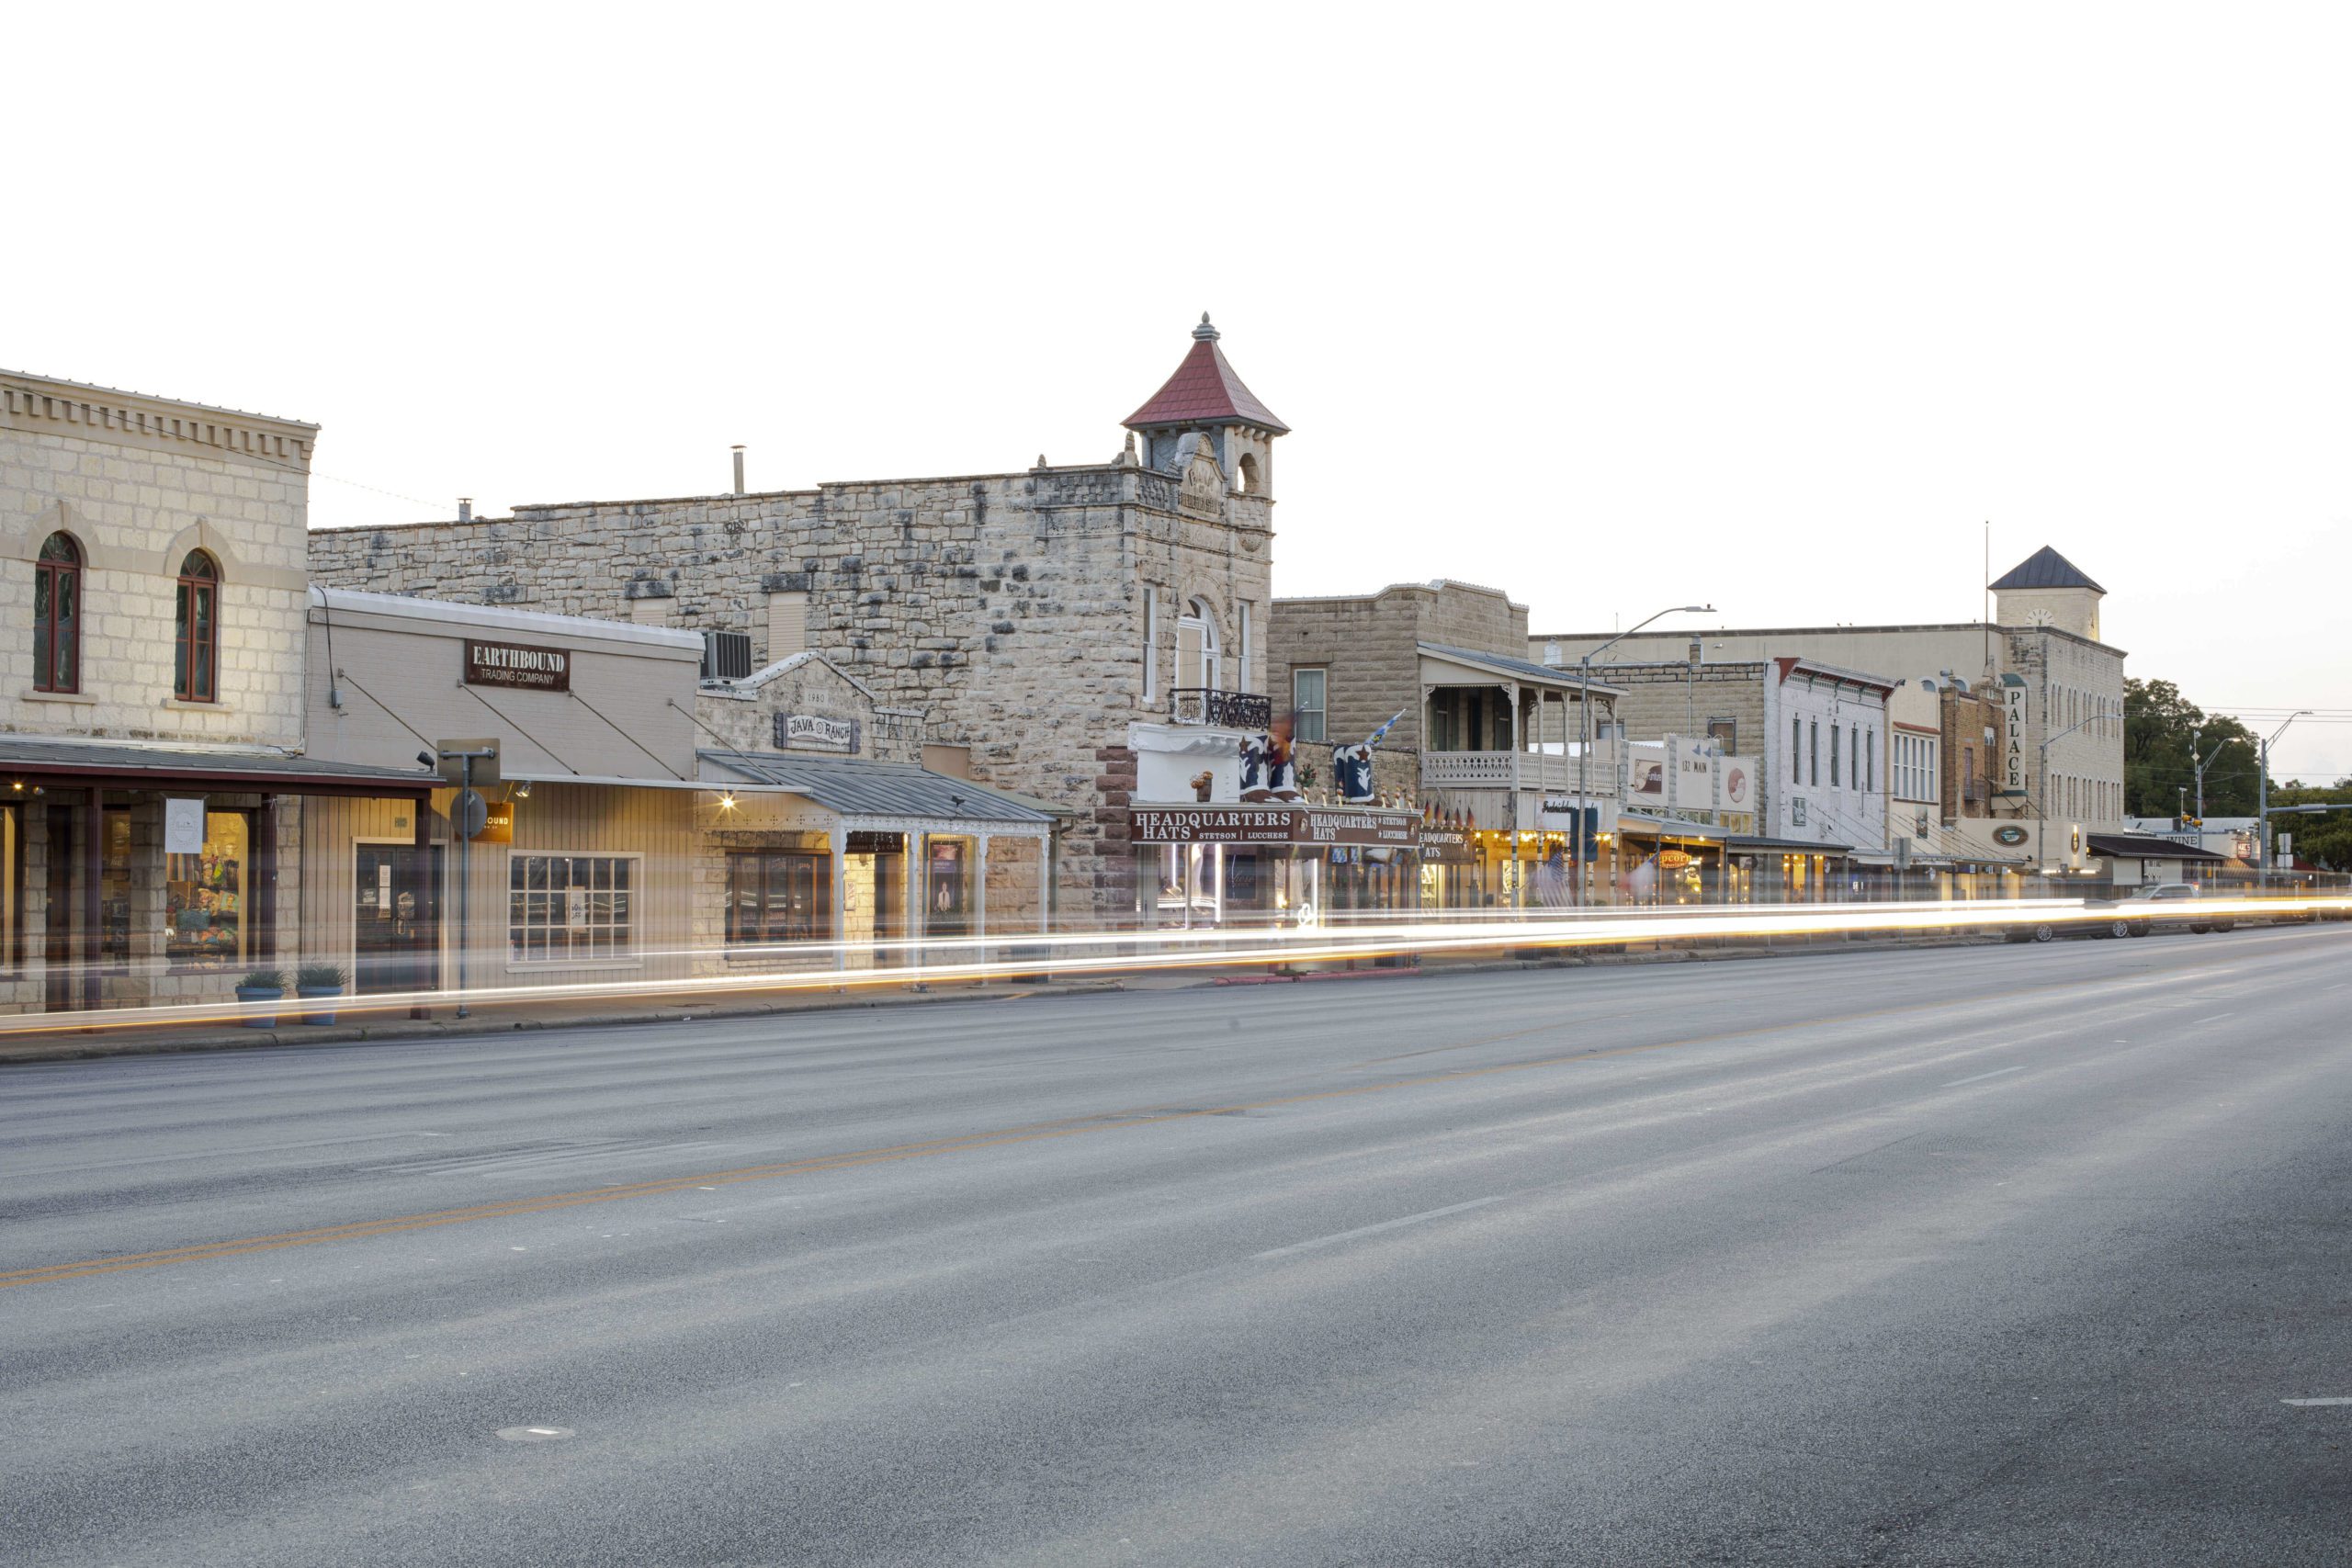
{"points": [[1987, 1256]]}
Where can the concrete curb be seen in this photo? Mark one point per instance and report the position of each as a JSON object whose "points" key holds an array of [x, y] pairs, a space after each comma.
{"points": [[70, 1046]]}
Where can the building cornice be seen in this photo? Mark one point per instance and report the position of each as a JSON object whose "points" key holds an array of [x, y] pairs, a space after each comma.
{"points": [[43, 405]]}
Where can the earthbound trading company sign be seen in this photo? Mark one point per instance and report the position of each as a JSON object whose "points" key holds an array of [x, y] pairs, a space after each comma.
{"points": [[1303, 825], [513, 664]]}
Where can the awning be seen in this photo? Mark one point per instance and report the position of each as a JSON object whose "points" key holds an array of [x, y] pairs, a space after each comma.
{"points": [[2144, 846], [856, 788], [134, 765], [1789, 846]]}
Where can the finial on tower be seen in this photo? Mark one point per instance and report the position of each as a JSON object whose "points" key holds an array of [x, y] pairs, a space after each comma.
{"points": [[1204, 333]]}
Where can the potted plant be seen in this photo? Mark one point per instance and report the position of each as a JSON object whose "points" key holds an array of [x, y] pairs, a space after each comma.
{"points": [[315, 980], [262, 985]]}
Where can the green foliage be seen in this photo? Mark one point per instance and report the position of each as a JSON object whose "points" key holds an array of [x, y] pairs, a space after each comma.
{"points": [[2164, 736], [315, 977], [2325, 840], [264, 980]]}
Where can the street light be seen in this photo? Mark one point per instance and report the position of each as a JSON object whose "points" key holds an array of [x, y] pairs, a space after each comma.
{"points": [[2042, 827], [2262, 805], [2194, 736], [1584, 727]]}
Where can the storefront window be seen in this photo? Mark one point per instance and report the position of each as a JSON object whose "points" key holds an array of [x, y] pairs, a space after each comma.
{"points": [[779, 895], [948, 890], [114, 889], [204, 897], [569, 908]]}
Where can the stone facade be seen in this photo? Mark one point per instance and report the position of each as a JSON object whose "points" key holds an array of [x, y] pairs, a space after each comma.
{"points": [[742, 713], [2071, 687], [1367, 646], [1008, 610], [138, 482]]}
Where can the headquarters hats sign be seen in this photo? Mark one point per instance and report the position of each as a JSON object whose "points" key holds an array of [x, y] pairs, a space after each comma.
{"points": [[517, 664]]}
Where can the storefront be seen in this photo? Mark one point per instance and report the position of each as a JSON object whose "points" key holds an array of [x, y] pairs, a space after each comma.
{"points": [[1274, 864], [138, 875]]}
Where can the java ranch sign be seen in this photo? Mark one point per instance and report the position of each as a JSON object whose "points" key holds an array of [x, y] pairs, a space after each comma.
{"points": [[515, 664]]}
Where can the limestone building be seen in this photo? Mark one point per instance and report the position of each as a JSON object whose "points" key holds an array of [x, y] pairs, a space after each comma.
{"points": [[1043, 622], [2058, 774], [152, 776]]}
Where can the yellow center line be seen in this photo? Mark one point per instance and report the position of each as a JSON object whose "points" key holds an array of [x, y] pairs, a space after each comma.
{"points": [[1093, 1122]]}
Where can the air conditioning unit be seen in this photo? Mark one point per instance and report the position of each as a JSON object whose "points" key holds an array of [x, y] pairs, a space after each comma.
{"points": [[726, 656]]}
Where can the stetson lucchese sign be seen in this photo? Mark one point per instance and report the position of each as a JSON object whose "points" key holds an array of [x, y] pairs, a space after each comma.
{"points": [[515, 664], [1305, 825]]}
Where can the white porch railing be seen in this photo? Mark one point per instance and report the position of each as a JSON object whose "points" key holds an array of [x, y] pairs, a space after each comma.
{"points": [[1537, 770]]}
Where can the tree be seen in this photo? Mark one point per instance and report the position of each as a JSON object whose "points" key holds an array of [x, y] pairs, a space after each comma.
{"points": [[2325, 840], [2160, 728]]}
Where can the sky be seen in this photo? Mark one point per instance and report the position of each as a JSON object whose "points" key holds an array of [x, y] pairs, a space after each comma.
{"points": [[1612, 307]]}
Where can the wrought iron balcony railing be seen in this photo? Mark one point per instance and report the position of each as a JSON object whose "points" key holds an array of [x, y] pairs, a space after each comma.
{"points": [[1227, 710]]}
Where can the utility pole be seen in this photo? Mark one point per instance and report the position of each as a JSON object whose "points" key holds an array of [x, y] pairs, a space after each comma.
{"points": [[467, 815], [2262, 805]]}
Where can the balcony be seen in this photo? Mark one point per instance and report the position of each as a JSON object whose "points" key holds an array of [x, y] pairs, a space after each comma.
{"points": [[1537, 770], [1225, 710]]}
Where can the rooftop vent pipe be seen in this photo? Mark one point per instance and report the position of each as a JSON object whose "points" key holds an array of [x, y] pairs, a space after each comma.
{"points": [[738, 468], [465, 509]]}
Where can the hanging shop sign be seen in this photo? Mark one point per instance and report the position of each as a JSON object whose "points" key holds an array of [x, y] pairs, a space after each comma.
{"points": [[1305, 826], [1674, 860], [1450, 845], [2013, 772], [2009, 835], [806, 732], [497, 823], [517, 664], [1690, 773]]}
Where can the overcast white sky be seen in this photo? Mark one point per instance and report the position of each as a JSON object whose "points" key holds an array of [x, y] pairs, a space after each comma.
{"points": [[1612, 307]]}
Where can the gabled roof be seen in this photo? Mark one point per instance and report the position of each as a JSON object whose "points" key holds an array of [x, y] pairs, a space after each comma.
{"points": [[1204, 391], [1513, 669], [2047, 569]]}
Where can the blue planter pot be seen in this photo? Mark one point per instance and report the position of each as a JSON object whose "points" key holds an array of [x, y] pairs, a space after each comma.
{"points": [[312, 993], [259, 994]]}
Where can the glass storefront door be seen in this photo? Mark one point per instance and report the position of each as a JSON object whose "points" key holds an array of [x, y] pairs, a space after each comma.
{"points": [[396, 918]]}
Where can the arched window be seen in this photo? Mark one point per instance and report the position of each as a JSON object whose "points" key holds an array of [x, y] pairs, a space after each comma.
{"points": [[1249, 467], [195, 658], [57, 615], [1199, 661]]}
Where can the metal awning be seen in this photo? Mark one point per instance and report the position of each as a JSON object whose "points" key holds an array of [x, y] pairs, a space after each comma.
{"points": [[1789, 846], [856, 788], [131, 764], [1504, 667]]}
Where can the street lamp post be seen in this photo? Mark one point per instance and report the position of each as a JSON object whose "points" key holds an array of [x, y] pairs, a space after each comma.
{"points": [[2042, 828], [2262, 805], [2193, 737], [1584, 747]]}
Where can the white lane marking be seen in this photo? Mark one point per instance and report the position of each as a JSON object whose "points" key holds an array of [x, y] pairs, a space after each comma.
{"points": [[1979, 1078], [2310, 1402], [1375, 1230], [2215, 1019]]}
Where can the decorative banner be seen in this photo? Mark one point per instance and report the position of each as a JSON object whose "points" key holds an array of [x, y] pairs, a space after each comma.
{"points": [[517, 664]]}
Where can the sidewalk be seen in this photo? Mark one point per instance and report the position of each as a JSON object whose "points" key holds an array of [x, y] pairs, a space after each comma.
{"points": [[68, 1044]]}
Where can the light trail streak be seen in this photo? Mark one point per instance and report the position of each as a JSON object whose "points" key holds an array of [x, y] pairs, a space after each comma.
{"points": [[1084, 954]]}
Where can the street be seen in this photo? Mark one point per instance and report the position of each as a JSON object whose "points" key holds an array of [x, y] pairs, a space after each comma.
{"points": [[2000, 1255]]}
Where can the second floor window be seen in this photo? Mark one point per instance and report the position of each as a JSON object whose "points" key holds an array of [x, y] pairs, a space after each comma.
{"points": [[1306, 696], [196, 655], [57, 615]]}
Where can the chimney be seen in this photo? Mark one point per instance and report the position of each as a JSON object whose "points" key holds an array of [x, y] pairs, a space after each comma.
{"points": [[738, 468], [465, 509]]}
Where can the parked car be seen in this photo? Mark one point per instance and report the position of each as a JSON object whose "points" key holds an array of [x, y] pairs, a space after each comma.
{"points": [[2174, 903], [2171, 904]]}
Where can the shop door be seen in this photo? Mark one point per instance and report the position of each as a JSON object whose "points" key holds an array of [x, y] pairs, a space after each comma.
{"points": [[396, 918], [57, 949]]}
